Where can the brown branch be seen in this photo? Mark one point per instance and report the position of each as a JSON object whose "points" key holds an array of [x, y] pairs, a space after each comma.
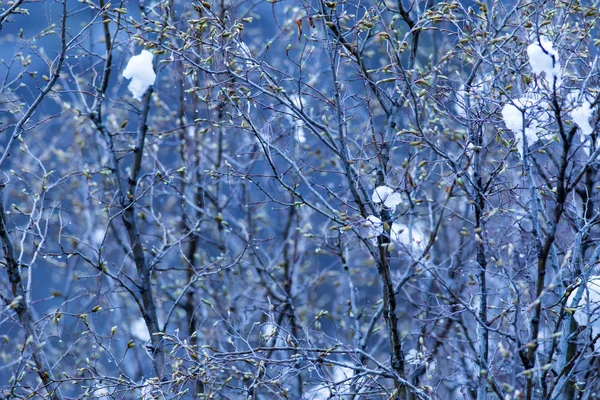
{"points": [[20, 306], [528, 355], [135, 239], [54, 75], [389, 305]]}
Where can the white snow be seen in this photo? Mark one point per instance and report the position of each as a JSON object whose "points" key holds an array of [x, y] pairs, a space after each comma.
{"points": [[386, 195], [399, 233], [513, 118], [581, 113], [589, 304], [140, 330], [587, 311], [373, 226], [139, 70], [544, 59], [536, 117], [581, 116]]}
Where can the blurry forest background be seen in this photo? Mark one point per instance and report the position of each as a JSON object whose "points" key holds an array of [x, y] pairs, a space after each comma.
{"points": [[352, 199]]}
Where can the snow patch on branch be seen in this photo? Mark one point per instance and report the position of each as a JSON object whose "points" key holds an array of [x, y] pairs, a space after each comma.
{"points": [[589, 304], [139, 69], [387, 196], [526, 115], [582, 111], [373, 227], [587, 309], [581, 116], [543, 58]]}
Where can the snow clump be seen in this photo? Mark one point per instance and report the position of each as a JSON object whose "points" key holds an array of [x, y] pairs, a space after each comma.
{"points": [[544, 59], [589, 304], [581, 116], [386, 195], [536, 116], [139, 70], [373, 226], [582, 112]]}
